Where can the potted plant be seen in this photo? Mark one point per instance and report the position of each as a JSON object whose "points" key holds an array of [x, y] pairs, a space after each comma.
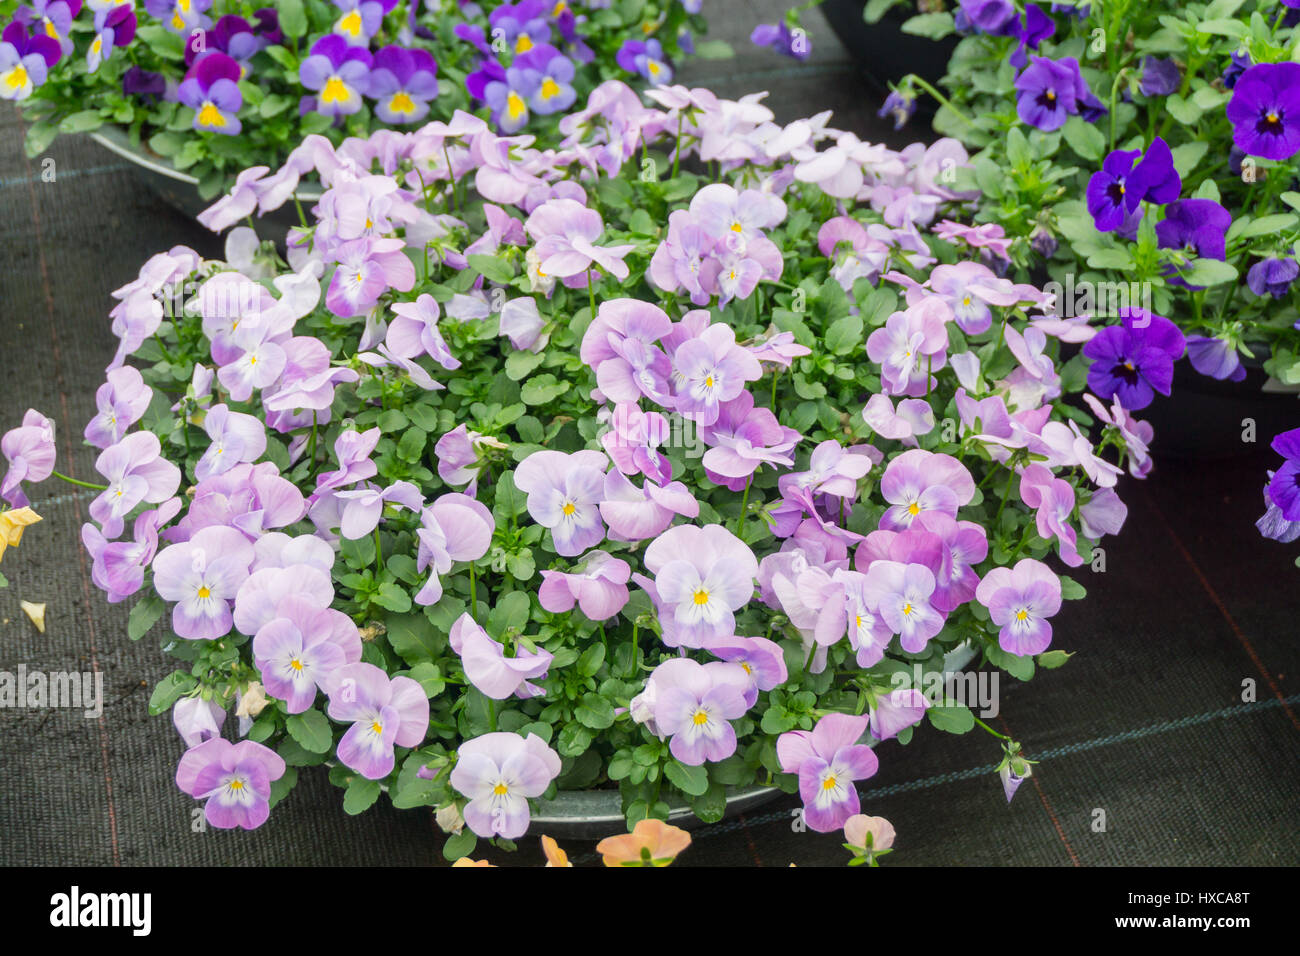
{"points": [[197, 90], [674, 461], [1128, 151]]}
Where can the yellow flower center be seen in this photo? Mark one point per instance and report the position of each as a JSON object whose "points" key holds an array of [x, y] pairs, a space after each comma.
{"points": [[500, 790], [907, 608], [17, 77], [701, 596], [653, 67], [523, 43], [236, 785], [350, 22], [748, 669], [701, 718], [296, 664], [1022, 615], [1272, 118], [178, 21], [209, 115], [1051, 96], [737, 227], [400, 103], [96, 44], [377, 727], [50, 32], [708, 381], [914, 509], [515, 105], [204, 593], [829, 783], [335, 91], [559, 9], [550, 89], [568, 508]]}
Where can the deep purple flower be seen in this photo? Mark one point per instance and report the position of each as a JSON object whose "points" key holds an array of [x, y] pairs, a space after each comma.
{"points": [[1272, 524], [384, 712], [1236, 67], [1134, 360], [234, 780], [1118, 188], [997, 17], [51, 18], [1272, 276], [1265, 110], [1197, 226], [1047, 92], [211, 89], [114, 26], [498, 772], [1159, 77], [145, 84], [828, 760], [694, 705], [1020, 600], [1215, 357], [1029, 31], [339, 74], [1284, 486], [402, 84], [782, 39]]}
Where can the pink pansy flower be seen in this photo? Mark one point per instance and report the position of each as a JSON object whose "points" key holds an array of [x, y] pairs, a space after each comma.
{"points": [[1053, 498], [566, 233], [487, 667], [29, 449], [564, 493], [711, 369], [121, 402], [598, 586], [1103, 514], [828, 761], [702, 577], [762, 660], [913, 417], [203, 576], [367, 268], [918, 481], [910, 346], [896, 711], [632, 443], [234, 780], [384, 713], [118, 567], [695, 704], [900, 594], [362, 508], [304, 647], [634, 514], [1020, 600], [197, 720], [236, 439], [498, 772], [454, 528], [136, 472], [620, 344]]}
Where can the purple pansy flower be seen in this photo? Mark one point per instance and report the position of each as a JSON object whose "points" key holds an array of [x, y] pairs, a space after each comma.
{"points": [[29, 450], [552, 81], [1134, 360], [762, 660], [368, 267], [564, 493], [203, 575], [598, 586], [197, 720], [24, 61], [1215, 357], [1029, 31], [52, 18], [987, 16], [702, 577], [1160, 77], [402, 84], [620, 344], [694, 705], [1050, 91], [1265, 110], [118, 567], [498, 772], [136, 472], [487, 667], [360, 20], [339, 74], [1199, 227], [900, 595], [236, 439], [896, 711], [828, 760], [384, 713], [180, 16], [1053, 500], [1284, 485], [1272, 276], [454, 528], [121, 401], [647, 59], [114, 26], [303, 648], [710, 369], [633, 442], [1118, 188], [508, 98], [919, 481], [1020, 600], [782, 39], [211, 89], [234, 780]]}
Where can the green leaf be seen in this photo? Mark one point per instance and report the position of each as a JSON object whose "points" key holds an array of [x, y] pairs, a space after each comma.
{"points": [[1084, 138], [490, 267], [1072, 590], [951, 718], [411, 447], [935, 26], [392, 598], [519, 364], [591, 659], [412, 637], [143, 616], [1227, 28], [1208, 272], [293, 18], [1053, 659], [594, 711], [691, 780], [574, 739], [81, 122], [459, 845], [845, 335], [429, 677], [311, 730], [169, 690], [360, 795], [1188, 156], [711, 805], [39, 137], [542, 389]]}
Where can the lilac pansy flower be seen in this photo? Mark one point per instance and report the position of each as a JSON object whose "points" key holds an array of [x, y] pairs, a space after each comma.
{"points": [[702, 577], [564, 493], [302, 649], [121, 402], [828, 761], [487, 667], [896, 711], [598, 586], [694, 706], [136, 472], [234, 780], [203, 576], [384, 712], [236, 439], [918, 481], [900, 594], [29, 450], [1020, 600], [453, 528], [499, 772], [338, 73]]}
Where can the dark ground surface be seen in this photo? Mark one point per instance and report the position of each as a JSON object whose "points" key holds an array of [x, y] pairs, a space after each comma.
{"points": [[1145, 723]]}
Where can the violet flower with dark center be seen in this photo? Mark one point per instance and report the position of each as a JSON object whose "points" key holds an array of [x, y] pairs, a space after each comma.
{"points": [[1046, 93], [1029, 31], [1272, 276], [1197, 226], [1265, 110], [1116, 190], [211, 90], [1134, 360]]}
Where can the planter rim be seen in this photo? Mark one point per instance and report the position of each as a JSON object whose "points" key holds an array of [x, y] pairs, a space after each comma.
{"points": [[117, 140]]}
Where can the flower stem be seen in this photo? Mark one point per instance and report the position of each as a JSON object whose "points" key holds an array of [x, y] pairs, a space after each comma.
{"points": [[473, 599], [943, 100], [492, 715], [991, 730], [744, 504], [379, 553], [591, 294], [82, 484]]}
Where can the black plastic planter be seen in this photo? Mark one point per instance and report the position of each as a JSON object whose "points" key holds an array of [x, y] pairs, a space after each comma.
{"points": [[886, 54]]}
